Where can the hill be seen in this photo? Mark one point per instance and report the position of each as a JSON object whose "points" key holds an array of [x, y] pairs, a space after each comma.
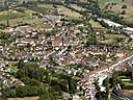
{"points": [[123, 8]]}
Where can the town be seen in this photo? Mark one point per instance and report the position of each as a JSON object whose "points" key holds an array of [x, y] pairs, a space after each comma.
{"points": [[64, 50]]}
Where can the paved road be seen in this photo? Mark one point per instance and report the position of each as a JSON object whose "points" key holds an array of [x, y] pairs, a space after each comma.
{"points": [[127, 30], [88, 82]]}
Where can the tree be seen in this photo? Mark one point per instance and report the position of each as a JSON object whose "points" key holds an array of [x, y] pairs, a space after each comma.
{"points": [[106, 84], [30, 82], [10, 93], [91, 39], [32, 90], [124, 7], [21, 63], [7, 8], [21, 91], [31, 70], [123, 12], [4, 36]]}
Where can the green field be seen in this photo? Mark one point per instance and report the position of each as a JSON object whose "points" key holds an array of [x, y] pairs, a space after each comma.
{"points": [[102, 3], [26, 16], [117, 8], [11, 15], [110, 38]]}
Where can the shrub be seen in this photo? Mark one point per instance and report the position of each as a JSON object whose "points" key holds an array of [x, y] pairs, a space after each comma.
{"points": [[124, 7]]}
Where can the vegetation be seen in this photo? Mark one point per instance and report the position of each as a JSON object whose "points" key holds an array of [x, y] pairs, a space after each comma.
{"points": [[117, 6], [44, 82], [41, 82], [119, 77], [102, 95]]}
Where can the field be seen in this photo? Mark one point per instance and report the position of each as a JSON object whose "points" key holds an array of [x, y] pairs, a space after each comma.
{"points": [[17, 17], [117, 8], [128, 16], [102, 3], [95, 24], [11, 14], [111, 38], [68, 12], [14, 17]]}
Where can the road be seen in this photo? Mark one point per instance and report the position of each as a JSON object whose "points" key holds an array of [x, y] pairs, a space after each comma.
{"points": [[88, 82], [127, 30], [90, 77]]}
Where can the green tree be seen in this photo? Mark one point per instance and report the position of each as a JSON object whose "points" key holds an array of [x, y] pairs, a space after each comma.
{"points": [[21, 91]]}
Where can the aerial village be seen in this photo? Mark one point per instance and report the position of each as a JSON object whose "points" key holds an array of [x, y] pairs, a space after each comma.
{"points": [[58, 50]]}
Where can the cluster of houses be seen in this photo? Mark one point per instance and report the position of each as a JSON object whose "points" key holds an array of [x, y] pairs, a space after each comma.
{"points": [[59, 45]]}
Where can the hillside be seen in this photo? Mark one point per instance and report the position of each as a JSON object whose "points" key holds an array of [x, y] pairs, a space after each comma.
{"points": [[66, 49], [123, 8]]}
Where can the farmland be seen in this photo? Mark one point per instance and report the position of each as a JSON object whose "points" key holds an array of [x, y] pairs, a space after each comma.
{"points": [[117, 7], [65, 49]]}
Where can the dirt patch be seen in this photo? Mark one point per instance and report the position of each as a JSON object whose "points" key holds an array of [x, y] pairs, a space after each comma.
{"points": [[25, 98], [128, 92]]}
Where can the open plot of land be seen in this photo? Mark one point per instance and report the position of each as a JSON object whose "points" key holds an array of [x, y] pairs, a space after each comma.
{"points": [[68, 12], [129, 92], [95, 24], [112, 38], [102, 3], [11, 14], [128, 16], [15, 17], [79, 8], [26, 98], [43, 8], [117, 8]]}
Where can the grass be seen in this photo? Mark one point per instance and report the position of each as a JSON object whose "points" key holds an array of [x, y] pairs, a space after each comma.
{"points": [[11, 14], [68, 12], [95, 24], [128, 16], [102, 3], [16, 17], [47, 6], [128, 84], [79, 8], [112, 38], [49, 9], [123, 77], [41, 9], [12, 68]]}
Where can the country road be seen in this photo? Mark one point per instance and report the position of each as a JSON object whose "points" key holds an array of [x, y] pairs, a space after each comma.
{"points": [[124, 28], [88, 82]]}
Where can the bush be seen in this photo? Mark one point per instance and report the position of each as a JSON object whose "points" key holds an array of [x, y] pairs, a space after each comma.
{"points": [[21, 91], [124, 7], [123, 12]]}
